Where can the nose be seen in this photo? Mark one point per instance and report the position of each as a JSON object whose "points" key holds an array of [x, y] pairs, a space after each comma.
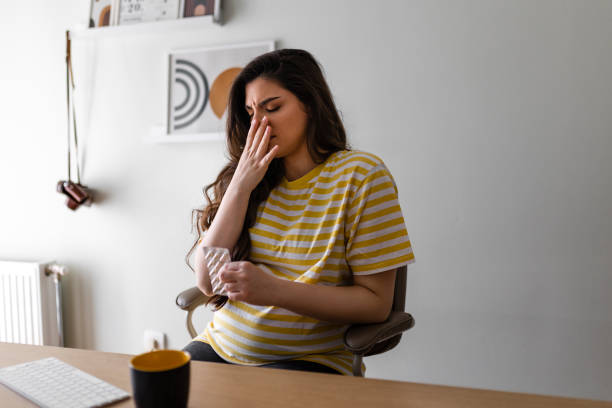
{"points": [[258, 114]]}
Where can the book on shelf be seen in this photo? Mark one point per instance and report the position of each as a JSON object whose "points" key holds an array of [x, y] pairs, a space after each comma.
{"points": [[194, 8], [101, 13]]}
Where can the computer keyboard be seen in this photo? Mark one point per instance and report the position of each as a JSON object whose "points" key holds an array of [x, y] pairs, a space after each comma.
{"points": [[52, 383]]}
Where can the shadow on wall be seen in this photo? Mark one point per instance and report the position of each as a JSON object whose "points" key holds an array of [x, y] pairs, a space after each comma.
{"points": [[77, 310]]}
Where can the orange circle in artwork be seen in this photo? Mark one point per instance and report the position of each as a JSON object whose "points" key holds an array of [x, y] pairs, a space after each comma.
{"points": [[219, 91]]}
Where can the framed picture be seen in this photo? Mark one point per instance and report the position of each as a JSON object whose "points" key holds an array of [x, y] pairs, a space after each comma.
{"points": [[140, 11], [199, 81], [100, 13]]}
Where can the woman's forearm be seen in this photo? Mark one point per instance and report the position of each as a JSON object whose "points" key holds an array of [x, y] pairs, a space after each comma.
{"points": [[223, 231], [339, 304], [227, 224]]}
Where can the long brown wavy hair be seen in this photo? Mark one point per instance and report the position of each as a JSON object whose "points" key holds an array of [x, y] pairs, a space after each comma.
{"points": [[300, 73]]}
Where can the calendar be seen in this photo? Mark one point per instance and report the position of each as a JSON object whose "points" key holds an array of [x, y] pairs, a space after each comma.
{"points": [[140, 11]]}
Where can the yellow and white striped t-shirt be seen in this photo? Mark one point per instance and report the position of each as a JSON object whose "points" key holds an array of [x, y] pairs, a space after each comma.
{"points": [[340, 219]]}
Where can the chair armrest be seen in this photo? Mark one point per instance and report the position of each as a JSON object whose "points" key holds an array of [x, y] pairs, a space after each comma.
{"points": [[361, 338], [191, 298]]}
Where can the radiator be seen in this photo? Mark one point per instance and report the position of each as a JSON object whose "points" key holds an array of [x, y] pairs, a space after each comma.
{"points": [[31, 303]]}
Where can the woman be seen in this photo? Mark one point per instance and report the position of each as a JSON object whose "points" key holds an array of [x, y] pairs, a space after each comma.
{"points": [[314, 229]]}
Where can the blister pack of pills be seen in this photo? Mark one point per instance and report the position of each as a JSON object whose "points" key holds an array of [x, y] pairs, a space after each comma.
{"points": [[215, 258]]}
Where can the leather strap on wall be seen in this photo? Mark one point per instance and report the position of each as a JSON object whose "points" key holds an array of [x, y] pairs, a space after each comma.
{"points": [[71, 127]]}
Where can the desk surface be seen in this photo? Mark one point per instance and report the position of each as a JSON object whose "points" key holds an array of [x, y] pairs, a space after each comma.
{"points": [[221, 385]]}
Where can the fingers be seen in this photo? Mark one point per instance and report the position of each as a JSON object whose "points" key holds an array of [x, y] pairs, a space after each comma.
{"points": [[227, 275], [232, 272], [252, 131], [263, 146], [230, 288], [259, 134], [268, 157], [236, 294]]}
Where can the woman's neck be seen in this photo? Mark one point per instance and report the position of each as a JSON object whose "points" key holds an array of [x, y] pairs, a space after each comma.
{"points": [[298, 165]]}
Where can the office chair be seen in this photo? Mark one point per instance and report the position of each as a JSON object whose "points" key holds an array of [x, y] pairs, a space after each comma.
{"points": [[361, 339]]}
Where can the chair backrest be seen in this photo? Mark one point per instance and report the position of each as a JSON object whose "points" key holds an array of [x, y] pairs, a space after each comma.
{"points": [[399, 304], [399, 293]]}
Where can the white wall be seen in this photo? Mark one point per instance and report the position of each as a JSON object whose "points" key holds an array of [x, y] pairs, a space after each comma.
{"points": [[493, 116]]}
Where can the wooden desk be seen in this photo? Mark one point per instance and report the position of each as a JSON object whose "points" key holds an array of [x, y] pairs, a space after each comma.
{"points": [[220, 385]]}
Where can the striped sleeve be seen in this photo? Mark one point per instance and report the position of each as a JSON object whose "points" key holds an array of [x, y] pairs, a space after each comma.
{"points": [[376, 235]]}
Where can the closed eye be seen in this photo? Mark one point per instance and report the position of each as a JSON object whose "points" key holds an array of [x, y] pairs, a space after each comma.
{"points": [[250, 113]]}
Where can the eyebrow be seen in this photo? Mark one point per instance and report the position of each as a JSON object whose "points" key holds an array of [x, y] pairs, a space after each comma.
{"points": [[262, 103]]}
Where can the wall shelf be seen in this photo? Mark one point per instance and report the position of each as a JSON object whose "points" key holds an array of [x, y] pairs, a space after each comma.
{"points": [[158, 134], [152, 27]]}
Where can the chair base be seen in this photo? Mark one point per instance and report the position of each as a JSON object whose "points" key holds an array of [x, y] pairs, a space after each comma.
{"points": [[357, 364]]}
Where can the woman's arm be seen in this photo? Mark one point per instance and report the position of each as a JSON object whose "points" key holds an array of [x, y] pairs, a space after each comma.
{"points": [[225, 228], [368, 300], [223, 232]]}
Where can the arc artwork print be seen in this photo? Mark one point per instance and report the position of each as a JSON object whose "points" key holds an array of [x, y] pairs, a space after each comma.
{"points": [[199, 84], [195, 84]]}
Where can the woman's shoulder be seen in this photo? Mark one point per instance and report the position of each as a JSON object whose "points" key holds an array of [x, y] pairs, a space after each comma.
{"points": [[354, 159]]}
